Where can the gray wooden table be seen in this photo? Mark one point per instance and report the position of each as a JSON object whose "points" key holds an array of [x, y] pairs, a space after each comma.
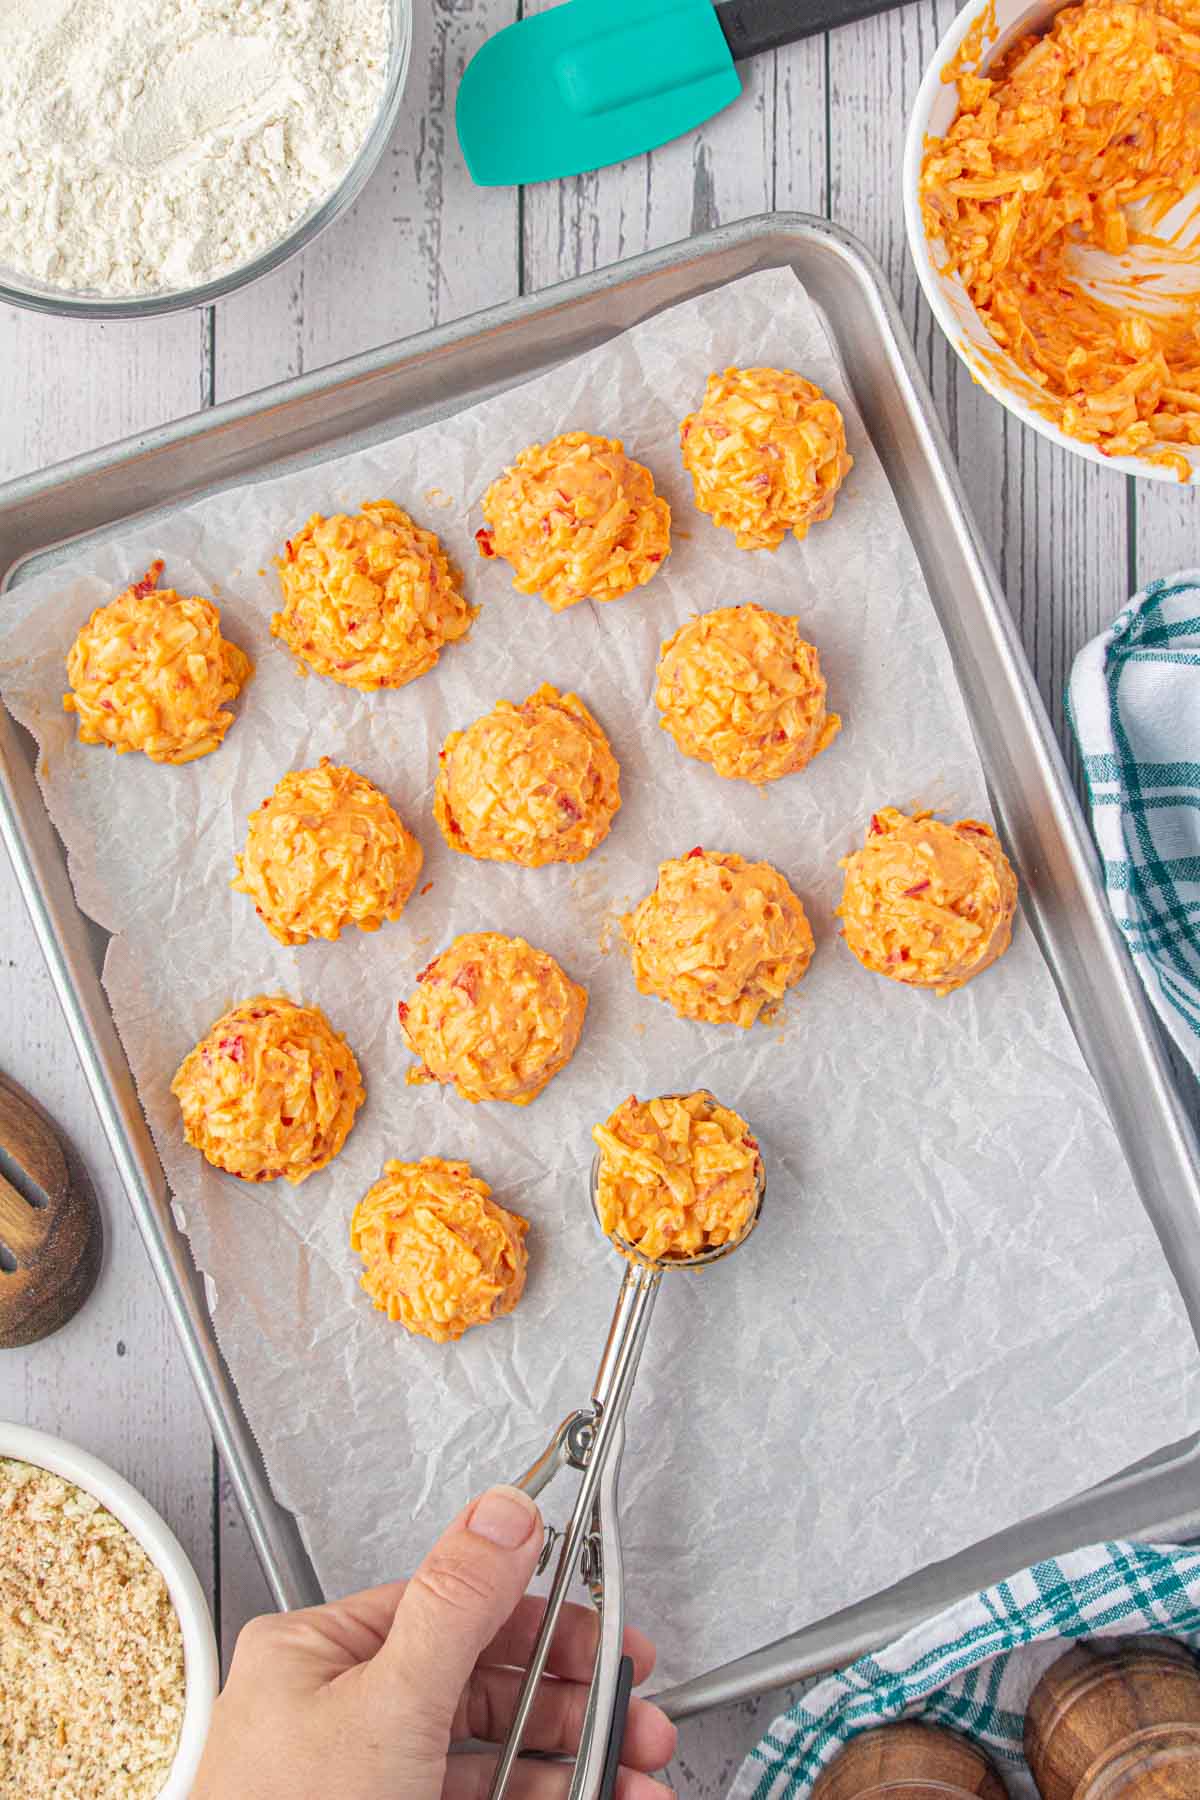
{"points": [[818, 129]]}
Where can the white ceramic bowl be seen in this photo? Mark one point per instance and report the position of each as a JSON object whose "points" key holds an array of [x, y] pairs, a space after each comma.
{"points": [[166, 1553], [936, 105]]}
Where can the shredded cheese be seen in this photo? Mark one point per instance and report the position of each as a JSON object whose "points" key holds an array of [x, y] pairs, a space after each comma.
{"points": [[439, 1255], [740, 688], [678, 1176], [926, 903], [270, 1090], [718, 938], [767, 454], [531, 784], [494, 1017], [151, 672], [1084, 138], [369, 600], [324, 850], [578, 520]]}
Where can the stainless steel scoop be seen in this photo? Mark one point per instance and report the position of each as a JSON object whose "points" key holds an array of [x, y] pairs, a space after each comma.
{"points": [[592, 1440]]}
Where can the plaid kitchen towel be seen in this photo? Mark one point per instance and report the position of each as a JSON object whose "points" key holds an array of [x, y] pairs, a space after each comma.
{"points": [[973, 1667], [1134, 702]]}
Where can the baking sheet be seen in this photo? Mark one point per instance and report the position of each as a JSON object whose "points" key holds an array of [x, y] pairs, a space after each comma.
{"points": [[955, 1312]]}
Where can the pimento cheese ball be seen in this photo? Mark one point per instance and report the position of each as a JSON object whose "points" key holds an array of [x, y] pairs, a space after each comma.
{"points": [[369, 600], [439, 1254], [271, 1089], [493, 1017], [718, 938], [151, 672], [927, 903], [741, 689], [577, 519], [678, 1176], [530, 784], [766, 452], [324, 850]]}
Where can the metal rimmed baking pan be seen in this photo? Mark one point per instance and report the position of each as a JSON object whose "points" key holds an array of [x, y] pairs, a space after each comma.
{"points": [[434, 375]]}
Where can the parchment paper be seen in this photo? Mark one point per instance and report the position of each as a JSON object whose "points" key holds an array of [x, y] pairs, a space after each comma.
{"points": [[955, 1312]]}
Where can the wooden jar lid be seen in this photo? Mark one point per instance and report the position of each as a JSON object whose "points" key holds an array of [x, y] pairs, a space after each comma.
{"points": [[1117, 1719], [909, 1761]]}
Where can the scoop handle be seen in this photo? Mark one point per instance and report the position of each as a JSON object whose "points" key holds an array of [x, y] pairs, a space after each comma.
{"points": [[752, 26]]}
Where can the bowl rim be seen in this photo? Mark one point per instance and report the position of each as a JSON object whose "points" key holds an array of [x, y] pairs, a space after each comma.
{"points": [[67, 303], [931, 284], [22, 1443]]}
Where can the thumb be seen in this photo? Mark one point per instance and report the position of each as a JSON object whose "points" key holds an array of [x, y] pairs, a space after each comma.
{"points": [[460, 1596]]}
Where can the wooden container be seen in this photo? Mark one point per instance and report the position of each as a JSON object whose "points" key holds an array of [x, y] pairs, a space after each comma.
{"points": [[909, 1761], [1117, 1719]]}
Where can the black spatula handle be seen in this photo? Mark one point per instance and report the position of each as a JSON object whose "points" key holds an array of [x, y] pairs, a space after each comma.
{"points": [[751, 26]]}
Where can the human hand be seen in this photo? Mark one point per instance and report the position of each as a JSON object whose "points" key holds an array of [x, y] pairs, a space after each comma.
{"points": [[363, 1697]]}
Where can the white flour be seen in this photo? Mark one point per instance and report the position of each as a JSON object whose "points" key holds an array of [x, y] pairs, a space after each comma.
{"points": [[150, 144]]}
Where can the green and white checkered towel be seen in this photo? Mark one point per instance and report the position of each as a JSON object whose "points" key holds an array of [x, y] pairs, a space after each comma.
{"points": [[1134, 701], [973, 1667]]}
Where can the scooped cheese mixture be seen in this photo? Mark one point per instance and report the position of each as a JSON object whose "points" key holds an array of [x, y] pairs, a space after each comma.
{"points": [[1085, 136], [270, 1090], [369, 600], [741, 689], [150, 671], [494, 1017], [530, 784], [678, 1176], [326, 849], [578, 520], [718, 938], [91, 1654], [766, 452], [927, 903], [439, 1255]]}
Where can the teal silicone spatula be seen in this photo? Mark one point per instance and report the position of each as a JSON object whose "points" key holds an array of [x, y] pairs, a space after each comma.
{"points": [[593, 82]]}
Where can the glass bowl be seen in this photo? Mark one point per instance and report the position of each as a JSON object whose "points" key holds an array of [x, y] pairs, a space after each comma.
{"points": [[39, 296]]}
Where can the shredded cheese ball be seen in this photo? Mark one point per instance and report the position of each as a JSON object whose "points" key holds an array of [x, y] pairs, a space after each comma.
{"points": [[494, 1017], [718, 938], [1085, 137], [270, 1090], [529, 784], [927, 903], [766, 453], [439, 1255], [370, 600], [151, 672], [578, 520], [677, 1177], [740, 688], [324, 850]]}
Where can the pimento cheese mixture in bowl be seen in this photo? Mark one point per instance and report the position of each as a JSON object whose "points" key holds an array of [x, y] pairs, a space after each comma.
{"points": [[1049, 172]]}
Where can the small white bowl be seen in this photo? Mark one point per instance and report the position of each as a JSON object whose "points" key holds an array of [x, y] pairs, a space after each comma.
{"points": [[932, 115], [163, 1548]]}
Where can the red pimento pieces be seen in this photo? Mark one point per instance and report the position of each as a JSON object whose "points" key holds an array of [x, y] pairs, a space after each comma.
{"points": [[467, 980], [697, 851], [483, 540], [429, 971], [291, 551], [919, 888], [402, 1010], [427, 887], [149, 580], [234, 1048], [567, 805], [876, 825]]}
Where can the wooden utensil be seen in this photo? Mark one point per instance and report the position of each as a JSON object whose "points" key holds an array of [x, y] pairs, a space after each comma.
{"points": [[909, 1761], [51, 1237], [1117, 1719]]}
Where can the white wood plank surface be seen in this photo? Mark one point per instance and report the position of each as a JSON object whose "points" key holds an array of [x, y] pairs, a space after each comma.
{"points": [[818, 128]]}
